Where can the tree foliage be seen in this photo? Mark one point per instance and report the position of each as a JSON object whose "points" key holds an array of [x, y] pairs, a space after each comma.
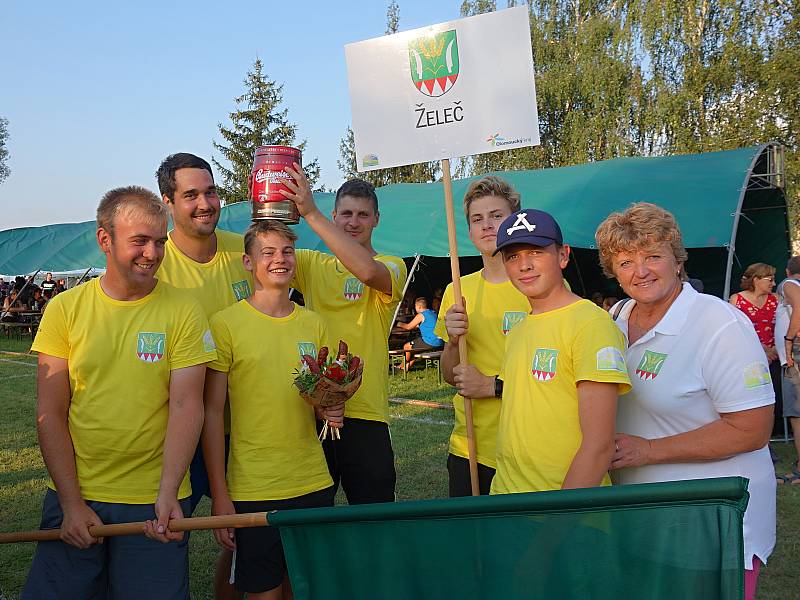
{"points": [[5, 171], [416, 173], [257, 121], [636, 77]]}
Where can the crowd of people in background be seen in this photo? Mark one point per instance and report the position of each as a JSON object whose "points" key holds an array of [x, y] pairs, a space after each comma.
{"points": [[24, 295]]}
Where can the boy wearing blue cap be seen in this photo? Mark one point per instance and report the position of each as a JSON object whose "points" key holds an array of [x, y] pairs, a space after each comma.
{"points": [[563, 370]]}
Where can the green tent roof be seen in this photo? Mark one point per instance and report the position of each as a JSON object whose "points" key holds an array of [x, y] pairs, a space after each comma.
{"points": [[707, 193]]}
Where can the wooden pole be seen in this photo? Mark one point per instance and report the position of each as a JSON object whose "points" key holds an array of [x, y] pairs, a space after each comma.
{"points": [[462, 341], [137, 528]]}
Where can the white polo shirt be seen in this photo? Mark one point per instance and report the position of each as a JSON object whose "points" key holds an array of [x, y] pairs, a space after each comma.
{"points": [[702, 359]]}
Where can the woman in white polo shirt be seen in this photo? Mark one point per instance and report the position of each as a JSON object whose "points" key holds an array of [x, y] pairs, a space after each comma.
{"points": [[702, 402]]}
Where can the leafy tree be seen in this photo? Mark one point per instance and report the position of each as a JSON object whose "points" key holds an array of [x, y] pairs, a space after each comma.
{"points": [[257, 121], [723, 74], [420, 172], [5, 171], [783, 74], [590, 92]]}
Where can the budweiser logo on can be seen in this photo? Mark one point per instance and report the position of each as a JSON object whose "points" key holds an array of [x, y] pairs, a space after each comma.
{"points": [[266, 181]]}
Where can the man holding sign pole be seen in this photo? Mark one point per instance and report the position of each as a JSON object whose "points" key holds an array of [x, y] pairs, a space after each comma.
{"points": [[356, 291], [437, 92], [493, 306]]}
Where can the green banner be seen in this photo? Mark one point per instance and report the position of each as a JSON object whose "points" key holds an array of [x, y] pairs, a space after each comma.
{"points": [[656, 541]]}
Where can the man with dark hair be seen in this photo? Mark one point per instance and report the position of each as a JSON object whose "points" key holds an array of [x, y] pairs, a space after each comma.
{"points": [[358, 188], [48, 285], [563, 369], [119, 412], [356, 291], [207, 261]]}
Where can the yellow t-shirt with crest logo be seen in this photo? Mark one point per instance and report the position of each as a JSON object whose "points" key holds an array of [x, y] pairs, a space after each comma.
{"points": [[546, 355], [493, 309], [216, 284], [274, 452], [120, 357], [357, 314]]}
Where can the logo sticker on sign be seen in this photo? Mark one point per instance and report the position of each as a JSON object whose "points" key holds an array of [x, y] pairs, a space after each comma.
{"points": [[434, 62]]}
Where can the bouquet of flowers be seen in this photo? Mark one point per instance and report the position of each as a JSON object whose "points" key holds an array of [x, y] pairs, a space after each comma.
{"points": [[326, 381]]}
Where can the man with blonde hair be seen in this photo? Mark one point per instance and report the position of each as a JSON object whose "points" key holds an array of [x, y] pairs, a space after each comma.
{"points": [[356, 290], [119, 412], [493, 307], [276, 461]]}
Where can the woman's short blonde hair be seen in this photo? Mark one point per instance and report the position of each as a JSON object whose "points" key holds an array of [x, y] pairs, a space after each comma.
{"points": [[640, 226], [753, 272]]}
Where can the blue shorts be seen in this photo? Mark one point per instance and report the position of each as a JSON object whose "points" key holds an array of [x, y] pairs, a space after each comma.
{"points": [[125, 567]]}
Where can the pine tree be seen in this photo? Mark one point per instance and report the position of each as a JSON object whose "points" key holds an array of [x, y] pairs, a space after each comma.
{"points": [[5, 171], [415, 173], [257, 121]]}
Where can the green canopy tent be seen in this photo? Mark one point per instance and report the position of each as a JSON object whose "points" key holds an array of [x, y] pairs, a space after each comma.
{"points": [[730, 205]]}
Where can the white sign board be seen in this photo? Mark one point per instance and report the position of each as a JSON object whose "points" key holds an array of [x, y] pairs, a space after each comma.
{"points": [[452, 89]]}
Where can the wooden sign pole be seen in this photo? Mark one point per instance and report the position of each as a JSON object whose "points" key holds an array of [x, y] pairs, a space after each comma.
{"points": [[462, 341], [137, 528]]}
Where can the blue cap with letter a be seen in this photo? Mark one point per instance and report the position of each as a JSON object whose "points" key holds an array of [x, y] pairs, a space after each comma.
{"points": [[529, 226]]}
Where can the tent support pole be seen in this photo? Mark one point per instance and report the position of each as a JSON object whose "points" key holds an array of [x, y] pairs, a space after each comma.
{"points": [[417, 258], [84, 275], [735, 229], [462, 340]]}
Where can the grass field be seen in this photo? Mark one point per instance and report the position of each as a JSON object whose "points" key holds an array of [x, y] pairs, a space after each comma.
{"points": [[419, 436]]}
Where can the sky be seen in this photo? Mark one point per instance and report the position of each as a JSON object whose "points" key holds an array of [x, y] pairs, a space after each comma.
{"points": [[98, 93]]}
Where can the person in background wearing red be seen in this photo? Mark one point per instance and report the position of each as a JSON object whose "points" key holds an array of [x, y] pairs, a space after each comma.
{"points": [[757, 301]]}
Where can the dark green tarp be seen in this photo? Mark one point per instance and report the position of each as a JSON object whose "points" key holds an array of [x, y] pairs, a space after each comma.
{"points": [[660, 541], [708, 193]]}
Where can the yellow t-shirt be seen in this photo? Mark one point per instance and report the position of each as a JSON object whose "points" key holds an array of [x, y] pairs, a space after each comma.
{"points": [[120, 357], [274, 452], [357, 314], [546, 355], [493, 309], [216, 284]]}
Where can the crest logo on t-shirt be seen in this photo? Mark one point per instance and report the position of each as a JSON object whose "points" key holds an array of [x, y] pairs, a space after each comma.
{"points": [[309, 348], [650, 365], [755, 375], [150, 346], [241, 289], [394, 268], [610, 359], [511, 318], [208, 342], [545, 363], [353, 289]]}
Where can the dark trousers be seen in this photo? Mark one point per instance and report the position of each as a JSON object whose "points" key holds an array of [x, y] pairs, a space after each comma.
{"points": [[458, 477], [362, 461]]}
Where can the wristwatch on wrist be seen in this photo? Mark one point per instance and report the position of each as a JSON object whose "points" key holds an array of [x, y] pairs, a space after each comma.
{"points": [[498, 387]]}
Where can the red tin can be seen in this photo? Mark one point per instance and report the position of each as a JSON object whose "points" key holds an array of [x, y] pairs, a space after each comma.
{"points": [[269, 172]]}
